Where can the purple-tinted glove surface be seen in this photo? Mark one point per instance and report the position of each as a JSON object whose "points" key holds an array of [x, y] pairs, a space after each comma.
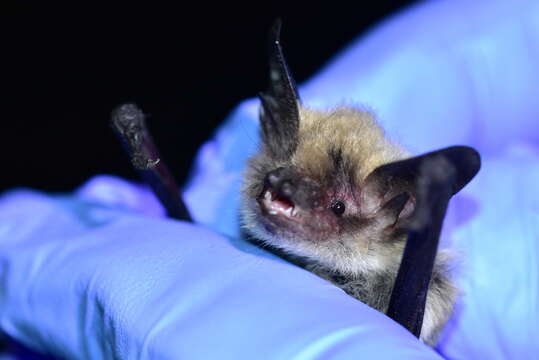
{"points": [[101, 275], [86, 277]]}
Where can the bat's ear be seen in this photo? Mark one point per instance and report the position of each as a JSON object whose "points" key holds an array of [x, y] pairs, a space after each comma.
{"points": [[390, 192], [279, 113]]}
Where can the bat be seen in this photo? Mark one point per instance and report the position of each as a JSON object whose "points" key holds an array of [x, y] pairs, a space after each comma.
{"points": [[330, 192]]}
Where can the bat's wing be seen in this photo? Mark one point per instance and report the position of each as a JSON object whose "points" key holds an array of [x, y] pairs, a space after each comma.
{"points": [[437, 176], [129, 124]]}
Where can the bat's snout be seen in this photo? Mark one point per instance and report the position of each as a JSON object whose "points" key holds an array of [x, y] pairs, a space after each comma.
{"points": [[287, 188]]}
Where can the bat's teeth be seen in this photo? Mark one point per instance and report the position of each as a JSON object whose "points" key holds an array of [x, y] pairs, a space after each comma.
{"points": [[275, 205], [288, 212]]}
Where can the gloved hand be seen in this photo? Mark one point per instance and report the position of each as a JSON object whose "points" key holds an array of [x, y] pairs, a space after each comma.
{"points": [[99, 274], [87, 277]]}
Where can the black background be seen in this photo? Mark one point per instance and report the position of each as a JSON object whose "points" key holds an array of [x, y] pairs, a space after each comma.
{"points": [[68, 67]]}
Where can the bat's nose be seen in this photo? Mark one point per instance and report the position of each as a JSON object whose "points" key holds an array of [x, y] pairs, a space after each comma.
{"points": [[282, 181], [288, 183], [276, 177]]}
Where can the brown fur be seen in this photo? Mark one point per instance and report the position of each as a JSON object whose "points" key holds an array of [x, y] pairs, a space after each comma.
{"points": [[355, 131]]}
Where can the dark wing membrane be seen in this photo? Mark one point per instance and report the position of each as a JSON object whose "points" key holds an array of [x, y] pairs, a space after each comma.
{"points": [[437, 176], [129, 124]]}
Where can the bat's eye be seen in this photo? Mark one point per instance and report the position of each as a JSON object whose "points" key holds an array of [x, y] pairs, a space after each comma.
{"points": [[338, 207]]}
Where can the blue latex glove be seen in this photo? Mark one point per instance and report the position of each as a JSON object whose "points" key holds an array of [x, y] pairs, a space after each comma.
{"points": [[87, 277], [101, 275]]}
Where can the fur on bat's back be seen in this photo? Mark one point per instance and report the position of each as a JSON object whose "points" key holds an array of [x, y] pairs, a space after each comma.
{"points": [[374, 289]]}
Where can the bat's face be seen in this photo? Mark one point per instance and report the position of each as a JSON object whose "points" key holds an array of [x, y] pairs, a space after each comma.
{"points": [[310, 196]]}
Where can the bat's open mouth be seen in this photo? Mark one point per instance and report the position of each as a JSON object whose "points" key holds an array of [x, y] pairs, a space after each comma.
{"points": [[274, 203]]}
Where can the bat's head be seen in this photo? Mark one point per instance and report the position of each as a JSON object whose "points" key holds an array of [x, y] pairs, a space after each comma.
{"points": [[313, 191], [306, 191], [320, 187]]}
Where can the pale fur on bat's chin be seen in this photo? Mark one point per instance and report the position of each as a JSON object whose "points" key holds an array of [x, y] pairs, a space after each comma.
{"points": [[345, 255]]}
